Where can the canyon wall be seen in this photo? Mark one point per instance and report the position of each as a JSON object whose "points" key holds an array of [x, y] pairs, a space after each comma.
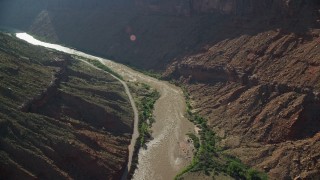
{"points": [[260, 93], [163, 30], [234, 7], [251, 66]]}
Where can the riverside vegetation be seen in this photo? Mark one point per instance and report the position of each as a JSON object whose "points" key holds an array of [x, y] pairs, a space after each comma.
{"points": [[206, 146], [209, 158], [145, 98], [60, 114], [251, 66]]}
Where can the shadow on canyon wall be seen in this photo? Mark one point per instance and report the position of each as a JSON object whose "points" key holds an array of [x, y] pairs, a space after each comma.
{"points": [[149, 34]]}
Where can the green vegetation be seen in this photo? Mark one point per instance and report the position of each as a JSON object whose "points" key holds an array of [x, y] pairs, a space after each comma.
{"points": [[145, 98], [208, 158], [195, 139], [236, 169], [253, 174]]}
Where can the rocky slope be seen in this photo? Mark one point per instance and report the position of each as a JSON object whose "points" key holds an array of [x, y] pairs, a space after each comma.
{"points": [[251, 66], [59, 118], [260, 93]]}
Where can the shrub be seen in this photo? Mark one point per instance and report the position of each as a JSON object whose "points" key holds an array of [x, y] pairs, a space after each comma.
{"points": [[195, 139], [236, 169], [253, 174]]}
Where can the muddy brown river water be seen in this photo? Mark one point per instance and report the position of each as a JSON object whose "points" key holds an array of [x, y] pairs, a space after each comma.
{"points": [[169, 151]]}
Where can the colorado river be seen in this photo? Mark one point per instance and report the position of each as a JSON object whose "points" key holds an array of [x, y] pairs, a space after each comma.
{"points": [[169, 151]]}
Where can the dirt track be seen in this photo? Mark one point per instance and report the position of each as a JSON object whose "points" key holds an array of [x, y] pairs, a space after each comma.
{"points": [[169, 151]]}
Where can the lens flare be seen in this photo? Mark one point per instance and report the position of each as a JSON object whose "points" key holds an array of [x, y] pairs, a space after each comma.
{"points": [[133, 38]]}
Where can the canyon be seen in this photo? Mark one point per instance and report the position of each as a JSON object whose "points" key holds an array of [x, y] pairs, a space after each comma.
{"points": [[168, 131], [251, 67]]}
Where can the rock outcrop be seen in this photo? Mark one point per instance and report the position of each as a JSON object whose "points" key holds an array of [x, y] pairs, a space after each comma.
{"points": [[260, 93]]}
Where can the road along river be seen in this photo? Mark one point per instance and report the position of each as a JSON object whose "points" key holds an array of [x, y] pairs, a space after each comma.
{"points": [[169, 150]]}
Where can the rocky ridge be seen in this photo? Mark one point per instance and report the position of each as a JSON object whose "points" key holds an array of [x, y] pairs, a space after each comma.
{"points": [[260, 93], [59, 118]]}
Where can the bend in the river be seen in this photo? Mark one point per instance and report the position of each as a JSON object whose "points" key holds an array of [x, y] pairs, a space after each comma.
{"points": [[169, 151]]}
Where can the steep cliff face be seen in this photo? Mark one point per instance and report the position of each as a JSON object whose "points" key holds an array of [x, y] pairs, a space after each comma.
{"points": [[270, 63], [268, 8], [163, 30], [259, 90], [261, 7]]}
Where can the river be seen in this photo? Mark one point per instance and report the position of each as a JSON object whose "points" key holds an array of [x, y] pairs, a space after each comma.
{"points": [[169, 151]]}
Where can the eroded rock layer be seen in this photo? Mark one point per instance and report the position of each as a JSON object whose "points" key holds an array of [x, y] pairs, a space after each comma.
{"points": [[260, 93]]}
